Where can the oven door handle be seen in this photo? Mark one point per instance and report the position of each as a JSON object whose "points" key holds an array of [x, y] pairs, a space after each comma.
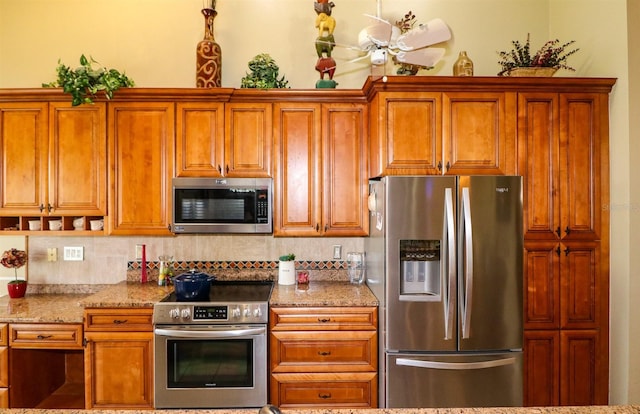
{"points": [[209, 333]]}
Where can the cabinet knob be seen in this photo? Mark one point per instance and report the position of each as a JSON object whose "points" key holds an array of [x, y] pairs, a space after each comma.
{"points": [[324, 396], [439, 165]]}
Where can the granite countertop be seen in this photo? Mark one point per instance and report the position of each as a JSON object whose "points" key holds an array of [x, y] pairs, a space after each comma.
{"points": [[66, 303]]}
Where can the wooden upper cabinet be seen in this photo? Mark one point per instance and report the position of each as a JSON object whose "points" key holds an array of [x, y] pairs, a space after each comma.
{"points": [[55, 157], [320, 170], [248, 137], [561, 153], [479, 133], [433, 133], [406, 133], [199, 139], [78, 159], [24, 148], [141, 148]]}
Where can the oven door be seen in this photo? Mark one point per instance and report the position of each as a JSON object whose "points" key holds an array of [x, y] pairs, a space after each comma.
{"points": [[200, 366]]}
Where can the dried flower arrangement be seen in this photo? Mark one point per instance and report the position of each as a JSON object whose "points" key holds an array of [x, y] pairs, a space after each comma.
{"points": [[405, 24], [14, 259], [552, 54]]}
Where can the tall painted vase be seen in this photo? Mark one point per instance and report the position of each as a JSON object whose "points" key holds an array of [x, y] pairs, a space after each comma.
{"points": [[208, 55]]}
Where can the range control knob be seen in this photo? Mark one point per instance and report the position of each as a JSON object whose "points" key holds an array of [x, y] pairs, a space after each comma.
{"points": [[174, 313], [247, 312], [257, 313], [185, 313], [235, 312]]}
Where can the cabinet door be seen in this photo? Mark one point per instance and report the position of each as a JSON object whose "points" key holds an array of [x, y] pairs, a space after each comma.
{"points": [[542, 285], [119, 370], [479, 133], [297, 191], [23, 161], [406, 134], [541, 368], [199, 139], [78, 159], [538, 154], [248, 139], [583, 371], [345, 188], [583, 293], [141, 147]]}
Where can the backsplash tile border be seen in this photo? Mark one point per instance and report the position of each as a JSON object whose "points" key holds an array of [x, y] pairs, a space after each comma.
{"points": [[241, 264]]}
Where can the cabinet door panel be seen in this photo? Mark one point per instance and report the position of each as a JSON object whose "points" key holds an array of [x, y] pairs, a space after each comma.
{"points": [[583, 370], [538, 148], [581, 286], [23, 146], [141, 166], [248, 139], [580, 166], [200, 139], [541, 368], [479, 137], [119, 370], [297, 204], [345, 187], [78, 159], [542, 286]]}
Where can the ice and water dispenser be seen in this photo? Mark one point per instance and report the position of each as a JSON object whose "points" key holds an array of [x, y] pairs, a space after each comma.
{"points": [[420, 268]]}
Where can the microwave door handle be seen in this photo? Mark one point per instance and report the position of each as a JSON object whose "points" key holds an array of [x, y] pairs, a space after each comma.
{"points": [[449, 287], [213, 334], [466, 263]]}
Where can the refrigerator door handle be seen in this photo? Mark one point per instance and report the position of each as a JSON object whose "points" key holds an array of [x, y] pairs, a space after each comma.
{"points": [[455, 365], [450, 263], [466, 254]]}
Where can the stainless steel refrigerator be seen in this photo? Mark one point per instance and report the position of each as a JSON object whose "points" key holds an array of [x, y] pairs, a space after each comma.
{"points": [[444, 259]]}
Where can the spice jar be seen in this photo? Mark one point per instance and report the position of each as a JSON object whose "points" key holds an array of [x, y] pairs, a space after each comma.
{"points": [[165, 273]]}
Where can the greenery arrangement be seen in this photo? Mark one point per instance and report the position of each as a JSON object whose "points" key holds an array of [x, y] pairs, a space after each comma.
{"points": [[85, 82], [14, 259], [406, 23], [264, 74], [287, 257], [552, 54]]}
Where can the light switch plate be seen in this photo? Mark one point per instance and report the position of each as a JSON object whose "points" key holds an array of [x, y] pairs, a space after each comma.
{"points": [[337, 251], [52, 254], [138, 251], [73, 253]]}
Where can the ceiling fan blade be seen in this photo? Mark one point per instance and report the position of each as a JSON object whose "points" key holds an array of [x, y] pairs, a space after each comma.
{"points": [[378, 34], [423, 57], [365, 56], [434, 31]]}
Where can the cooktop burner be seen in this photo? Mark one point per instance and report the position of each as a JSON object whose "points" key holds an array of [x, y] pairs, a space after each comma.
{"points": [[230, 301]]}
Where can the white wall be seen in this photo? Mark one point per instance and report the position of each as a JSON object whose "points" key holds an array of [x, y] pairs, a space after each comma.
{"points": [[154, 42]]}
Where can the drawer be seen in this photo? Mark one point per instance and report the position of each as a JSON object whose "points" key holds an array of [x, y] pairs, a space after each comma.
{"points": [[313, 351], [49, 336], [324, 318], [118, 319], [346, 390]]}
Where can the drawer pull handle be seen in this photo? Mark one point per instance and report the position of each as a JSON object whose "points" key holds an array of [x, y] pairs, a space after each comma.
{"points": [[324, 320], [119, 321], [324, 396], [44, 336], [324, 353]]}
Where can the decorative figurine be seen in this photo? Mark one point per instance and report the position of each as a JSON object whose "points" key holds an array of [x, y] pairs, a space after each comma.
{"points": [[325, 42]]}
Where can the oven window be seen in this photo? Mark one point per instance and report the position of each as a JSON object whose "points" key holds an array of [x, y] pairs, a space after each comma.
{"points": [[209, 363]]}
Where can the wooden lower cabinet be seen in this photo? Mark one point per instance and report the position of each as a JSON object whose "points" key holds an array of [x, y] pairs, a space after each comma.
{"points": [[4, 367], [323, 357], [118, 359]]}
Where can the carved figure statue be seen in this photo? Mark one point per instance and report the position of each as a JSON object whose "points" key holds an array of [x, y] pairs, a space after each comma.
{"points": [[324, 45], [323, 6], [325, 24]]}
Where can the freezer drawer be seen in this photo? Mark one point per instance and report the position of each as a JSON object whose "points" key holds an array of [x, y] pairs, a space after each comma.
{"points": [[454, 380]]}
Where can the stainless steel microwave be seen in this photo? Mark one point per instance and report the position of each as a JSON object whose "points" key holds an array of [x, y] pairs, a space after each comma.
{"points": [[222, 205]]}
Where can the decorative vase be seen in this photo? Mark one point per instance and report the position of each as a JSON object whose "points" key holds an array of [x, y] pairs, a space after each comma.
{"points": [[208, 55], [463, 66], [531, 72], [17, 290]]}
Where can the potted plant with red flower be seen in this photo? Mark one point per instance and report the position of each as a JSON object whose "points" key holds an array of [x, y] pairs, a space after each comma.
{"points": [[15, 259]]}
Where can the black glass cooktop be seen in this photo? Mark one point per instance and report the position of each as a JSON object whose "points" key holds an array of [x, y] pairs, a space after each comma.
{"points": [[235, 291]]}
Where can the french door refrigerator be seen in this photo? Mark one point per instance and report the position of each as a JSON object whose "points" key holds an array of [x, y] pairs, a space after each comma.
{"points": [[444, 259]]}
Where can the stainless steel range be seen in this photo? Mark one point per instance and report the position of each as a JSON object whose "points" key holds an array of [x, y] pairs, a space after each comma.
{"points": [[213, 354]]}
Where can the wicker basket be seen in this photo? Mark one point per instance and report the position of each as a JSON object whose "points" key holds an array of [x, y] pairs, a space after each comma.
{"points": [[531, 72]]}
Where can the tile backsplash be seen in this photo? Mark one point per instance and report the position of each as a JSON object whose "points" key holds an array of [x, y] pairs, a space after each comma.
{"points": [[111, 259]]}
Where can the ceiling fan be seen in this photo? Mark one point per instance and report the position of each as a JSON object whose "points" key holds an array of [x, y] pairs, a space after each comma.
{"points": [[381, 39]]}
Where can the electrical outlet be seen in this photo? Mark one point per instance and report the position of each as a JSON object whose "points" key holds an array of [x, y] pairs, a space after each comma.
{"points": [[138, 252], [52, 254], [337, 251], [73, 253]]}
